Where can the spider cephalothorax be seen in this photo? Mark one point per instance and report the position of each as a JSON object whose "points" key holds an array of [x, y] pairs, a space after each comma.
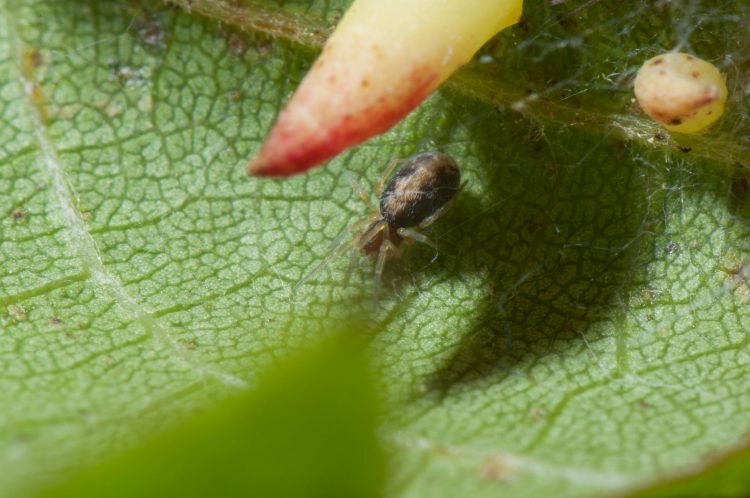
{"points": [[417, 194]]}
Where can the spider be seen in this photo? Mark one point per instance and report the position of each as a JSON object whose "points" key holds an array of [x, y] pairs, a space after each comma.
{"points": [[417, 194]]}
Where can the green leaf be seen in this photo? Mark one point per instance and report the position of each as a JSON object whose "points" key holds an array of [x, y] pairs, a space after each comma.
{"points": [[582, 331], [267, 442], [722, 475]]}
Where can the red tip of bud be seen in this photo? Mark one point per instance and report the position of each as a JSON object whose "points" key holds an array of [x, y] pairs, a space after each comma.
{"points": [[383, 59], [312, 130]]}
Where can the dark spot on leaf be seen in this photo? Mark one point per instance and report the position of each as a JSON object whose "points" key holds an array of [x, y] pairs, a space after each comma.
{"points": [[671, 247], [657, 62], [56, 321], [17, 312], [651, 295], [740, 188], [495, 470], [684, 149], [18, 215], [149, 29], [660, 135], [32, 59], [733, 270], [189, 344], [676, 121], [264, 47], [126, 75], [237, 44], [538, 414]]}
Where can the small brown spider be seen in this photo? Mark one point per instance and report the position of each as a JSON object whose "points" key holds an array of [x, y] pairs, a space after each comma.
{"points": [[417, 194]]}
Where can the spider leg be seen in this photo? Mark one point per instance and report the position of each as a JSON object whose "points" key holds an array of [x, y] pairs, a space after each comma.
{"points": [[352, 259], [358, 225], [384, 177], [372, 231], [333, 255], [352, 242], [419, 237], [361, 193], [386, 248], [440, 212]]}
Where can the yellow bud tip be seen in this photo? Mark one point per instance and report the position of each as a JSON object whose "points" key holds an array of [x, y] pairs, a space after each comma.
{"points": [[382, 61]]}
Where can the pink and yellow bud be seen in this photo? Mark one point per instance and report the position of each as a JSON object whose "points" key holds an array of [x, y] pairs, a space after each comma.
{"points": [[382, 61]]}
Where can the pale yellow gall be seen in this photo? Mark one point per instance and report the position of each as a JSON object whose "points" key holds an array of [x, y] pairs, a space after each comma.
{"points": [[681, 92]]}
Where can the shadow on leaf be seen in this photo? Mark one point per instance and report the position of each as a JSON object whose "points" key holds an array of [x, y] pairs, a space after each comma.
{"points": [[561, 234]]}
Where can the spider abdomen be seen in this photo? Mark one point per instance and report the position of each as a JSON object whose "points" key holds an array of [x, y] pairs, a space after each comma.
{"points": [[426, 183], [414, 197]]}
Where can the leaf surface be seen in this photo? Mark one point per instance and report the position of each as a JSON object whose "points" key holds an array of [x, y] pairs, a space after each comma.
{"points": [[265, 442], [582, 331]]}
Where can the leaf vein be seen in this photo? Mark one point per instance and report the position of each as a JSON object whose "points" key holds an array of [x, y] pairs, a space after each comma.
{"points": [[77, 233], [500, 465]]}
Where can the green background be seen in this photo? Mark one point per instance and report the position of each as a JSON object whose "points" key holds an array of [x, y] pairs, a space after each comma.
{"points": [[583, 331]]}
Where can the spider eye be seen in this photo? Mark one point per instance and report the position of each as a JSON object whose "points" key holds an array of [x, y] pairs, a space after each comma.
{"points": [[681, 92]]}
